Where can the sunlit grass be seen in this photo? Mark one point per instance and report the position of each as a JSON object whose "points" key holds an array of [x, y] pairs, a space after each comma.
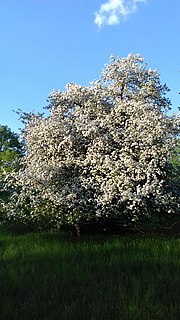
{"points": [[52, 276]]}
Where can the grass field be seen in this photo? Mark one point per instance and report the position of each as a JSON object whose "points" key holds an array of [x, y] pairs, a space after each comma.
{"points": [[55, 277]]}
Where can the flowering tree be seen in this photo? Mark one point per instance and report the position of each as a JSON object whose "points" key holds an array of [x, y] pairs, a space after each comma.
{"points": [[102, 151]]}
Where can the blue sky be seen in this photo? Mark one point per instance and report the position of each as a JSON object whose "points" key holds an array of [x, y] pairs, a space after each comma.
{"points": [[47, 43]]}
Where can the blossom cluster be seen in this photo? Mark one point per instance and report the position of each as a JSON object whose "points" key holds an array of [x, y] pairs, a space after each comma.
{"points": [[103, 150]]}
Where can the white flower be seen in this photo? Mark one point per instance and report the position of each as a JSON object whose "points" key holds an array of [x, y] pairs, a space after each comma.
{"points": [[103, 147]]}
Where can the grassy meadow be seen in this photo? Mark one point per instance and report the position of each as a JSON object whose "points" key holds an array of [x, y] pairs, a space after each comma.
{"points": [[51, 276]]}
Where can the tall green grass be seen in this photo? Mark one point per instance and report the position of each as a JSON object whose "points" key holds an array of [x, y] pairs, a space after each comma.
{"points": [[54, 277]]}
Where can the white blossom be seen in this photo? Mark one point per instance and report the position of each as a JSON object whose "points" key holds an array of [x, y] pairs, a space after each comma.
{"points": [[103, 149]]}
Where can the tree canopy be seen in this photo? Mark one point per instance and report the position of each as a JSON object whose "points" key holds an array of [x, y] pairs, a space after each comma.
{"points": [[103, 150], [10, 147], [10, 151]]}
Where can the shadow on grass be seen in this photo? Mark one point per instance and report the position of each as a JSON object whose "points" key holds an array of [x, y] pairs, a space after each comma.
{"points": [[16, 228], [52, 276]]}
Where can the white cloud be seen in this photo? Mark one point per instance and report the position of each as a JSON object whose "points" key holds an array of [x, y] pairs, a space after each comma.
{"points": [[113, 11]]}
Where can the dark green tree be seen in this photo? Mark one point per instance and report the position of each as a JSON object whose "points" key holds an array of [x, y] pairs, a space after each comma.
{"points": [[11, 149], [175, 162]]}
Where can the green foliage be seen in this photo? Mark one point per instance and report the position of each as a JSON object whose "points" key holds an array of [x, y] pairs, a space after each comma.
{"points": [[175, 161], [10, 148], [175, 170]]}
